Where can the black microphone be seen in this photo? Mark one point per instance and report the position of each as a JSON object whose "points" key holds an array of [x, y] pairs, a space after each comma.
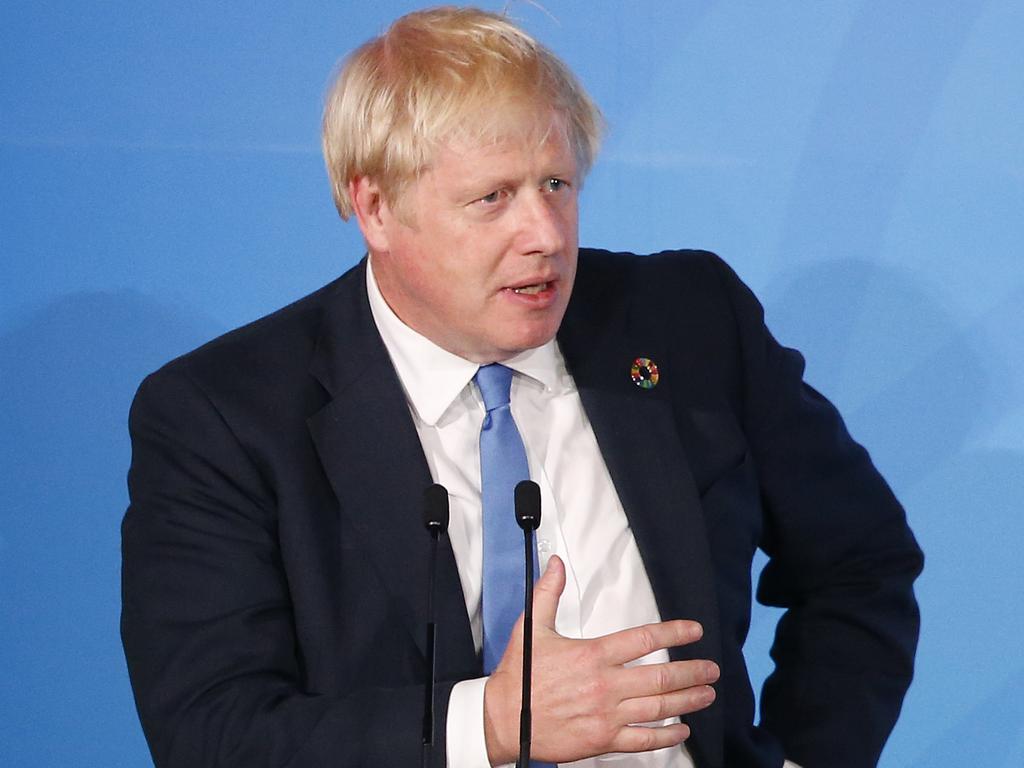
{"points": [[528, 517], [435, 518]]}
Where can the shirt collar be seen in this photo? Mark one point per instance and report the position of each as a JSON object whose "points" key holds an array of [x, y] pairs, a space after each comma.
{"points": [[433, 377]]}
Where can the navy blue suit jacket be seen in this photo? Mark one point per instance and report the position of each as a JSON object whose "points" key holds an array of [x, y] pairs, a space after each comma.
{"points": [[275, 561]]}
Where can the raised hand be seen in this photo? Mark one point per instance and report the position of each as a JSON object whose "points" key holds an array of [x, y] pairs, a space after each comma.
{"points": [[585, 700]]}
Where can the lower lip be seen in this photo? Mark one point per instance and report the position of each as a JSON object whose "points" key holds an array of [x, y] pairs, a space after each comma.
{"points": [[539, 300]]}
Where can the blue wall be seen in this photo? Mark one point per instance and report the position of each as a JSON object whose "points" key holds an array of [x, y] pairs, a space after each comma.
{"points": [[859, 164]]}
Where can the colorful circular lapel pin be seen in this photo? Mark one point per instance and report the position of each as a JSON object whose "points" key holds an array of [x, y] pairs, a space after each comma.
{"points": [[644, 373]]}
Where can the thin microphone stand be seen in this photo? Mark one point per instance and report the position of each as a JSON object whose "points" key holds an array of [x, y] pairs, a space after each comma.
{"points": [[525, 713], [435, 518], [527, 497]]}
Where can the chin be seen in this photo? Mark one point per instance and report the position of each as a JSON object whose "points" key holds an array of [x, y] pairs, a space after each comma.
{"points": [[530, 340], [514, 336]]}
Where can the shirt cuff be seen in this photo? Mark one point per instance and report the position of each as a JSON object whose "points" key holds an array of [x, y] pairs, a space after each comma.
{"points": [[788, 764], [464, 731]]}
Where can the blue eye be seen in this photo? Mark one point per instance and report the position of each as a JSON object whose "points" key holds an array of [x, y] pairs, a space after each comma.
{"points": [[553, 185], [491, 198]]}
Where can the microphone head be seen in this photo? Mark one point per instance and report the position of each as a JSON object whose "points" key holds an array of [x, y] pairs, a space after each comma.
{"points": [[435, 509], [528, 505]]}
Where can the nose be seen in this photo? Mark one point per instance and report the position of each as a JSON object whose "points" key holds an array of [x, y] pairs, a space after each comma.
{"points": [[542, 226]]}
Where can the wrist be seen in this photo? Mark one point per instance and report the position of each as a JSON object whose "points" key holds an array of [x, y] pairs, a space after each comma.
{"points": [[500, 720]]}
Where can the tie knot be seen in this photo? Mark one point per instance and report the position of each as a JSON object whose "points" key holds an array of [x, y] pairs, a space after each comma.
{"points": [[495, 383]]}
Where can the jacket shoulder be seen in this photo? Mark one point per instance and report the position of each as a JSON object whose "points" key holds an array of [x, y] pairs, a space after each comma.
{"points": [[667, 262], [258, 374], [672, 284]]}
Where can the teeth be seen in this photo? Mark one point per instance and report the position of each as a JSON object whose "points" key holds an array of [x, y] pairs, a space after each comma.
{"points": [[531, 289]]}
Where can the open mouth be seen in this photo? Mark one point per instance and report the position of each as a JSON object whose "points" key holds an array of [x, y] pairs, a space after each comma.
{"points": [[531, 290]]}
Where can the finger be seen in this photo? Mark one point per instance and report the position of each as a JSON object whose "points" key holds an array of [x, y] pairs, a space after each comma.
{"points": [[640, 738], [653, 679], [547, 592], [636, 642], [652, 709]]}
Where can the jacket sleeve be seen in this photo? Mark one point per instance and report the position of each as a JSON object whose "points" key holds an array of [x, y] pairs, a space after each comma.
{"points": [[842, 562], [207, 620]]}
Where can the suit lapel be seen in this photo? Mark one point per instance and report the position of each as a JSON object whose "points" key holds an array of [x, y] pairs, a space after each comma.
{"points": [[637, 432], [372, 455]]}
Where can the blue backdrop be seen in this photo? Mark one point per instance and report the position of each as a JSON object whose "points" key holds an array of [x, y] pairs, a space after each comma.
{"points": [[858, 163]]}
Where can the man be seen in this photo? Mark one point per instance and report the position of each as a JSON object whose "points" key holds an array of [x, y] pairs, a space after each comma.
{"points": [[274, 556]]}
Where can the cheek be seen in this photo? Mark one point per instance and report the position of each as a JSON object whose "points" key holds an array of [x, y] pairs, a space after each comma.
{"points": [[427, 270], [572, 223], [449, 286]]}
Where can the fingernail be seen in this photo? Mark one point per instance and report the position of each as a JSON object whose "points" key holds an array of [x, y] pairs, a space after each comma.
{"points": [[711, 672]]}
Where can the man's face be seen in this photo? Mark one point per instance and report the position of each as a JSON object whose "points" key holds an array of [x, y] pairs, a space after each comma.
{"points": [[482, 257]]}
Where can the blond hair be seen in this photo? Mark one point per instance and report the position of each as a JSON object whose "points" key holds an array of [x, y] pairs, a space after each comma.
{"points": [[440, 75]]}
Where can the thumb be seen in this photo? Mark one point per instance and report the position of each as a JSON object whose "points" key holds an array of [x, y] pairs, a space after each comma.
{"points": [[547, 592]]}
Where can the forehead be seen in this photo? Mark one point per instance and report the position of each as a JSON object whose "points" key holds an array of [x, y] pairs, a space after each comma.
{"points": [[528, 142], [504, 127]]}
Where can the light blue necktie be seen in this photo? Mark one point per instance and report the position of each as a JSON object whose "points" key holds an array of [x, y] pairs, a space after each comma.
{"points": [[502, 466]]}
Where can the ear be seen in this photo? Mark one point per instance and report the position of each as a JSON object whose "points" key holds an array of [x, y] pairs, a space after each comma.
{"points": [[371, 212]]}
